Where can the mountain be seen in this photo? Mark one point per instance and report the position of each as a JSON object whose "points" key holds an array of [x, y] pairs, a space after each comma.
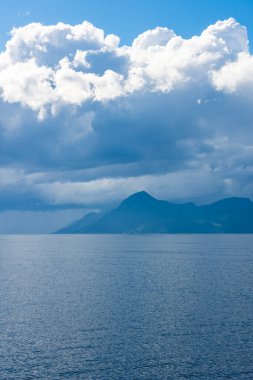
{"points": [[78, 226], [142, 213]]}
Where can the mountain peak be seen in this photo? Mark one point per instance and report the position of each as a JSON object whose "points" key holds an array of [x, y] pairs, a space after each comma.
{"points": [[140, 196]]}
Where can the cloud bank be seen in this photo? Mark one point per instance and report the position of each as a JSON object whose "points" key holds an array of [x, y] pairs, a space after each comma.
{"points": [[85, 121]]}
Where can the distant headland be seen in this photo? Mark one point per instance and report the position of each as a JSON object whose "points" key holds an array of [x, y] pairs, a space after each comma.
{"points": [[141, 213]]}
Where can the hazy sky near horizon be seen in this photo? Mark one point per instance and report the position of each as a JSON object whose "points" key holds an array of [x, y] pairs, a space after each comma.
{"points": [[99, 100]]}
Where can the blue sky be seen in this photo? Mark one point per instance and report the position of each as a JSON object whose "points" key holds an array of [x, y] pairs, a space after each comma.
{"points": [[127, 18], [100, 99]]}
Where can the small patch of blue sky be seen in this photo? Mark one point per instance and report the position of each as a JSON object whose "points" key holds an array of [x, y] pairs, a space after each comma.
{"points": [[128, 18]]}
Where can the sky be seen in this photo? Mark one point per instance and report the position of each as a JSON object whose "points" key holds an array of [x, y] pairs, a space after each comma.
{"points": [[100, 99], [128, 18]]}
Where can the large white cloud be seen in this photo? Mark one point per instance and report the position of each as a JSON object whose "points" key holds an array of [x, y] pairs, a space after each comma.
{"points": [[82, 116], [47, 66]]}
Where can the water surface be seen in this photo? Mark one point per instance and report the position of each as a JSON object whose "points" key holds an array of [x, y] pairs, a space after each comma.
{"points": [[126, 307]]}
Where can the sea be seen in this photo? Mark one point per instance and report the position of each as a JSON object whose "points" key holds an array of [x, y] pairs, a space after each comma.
{"points": [[126, 307]]}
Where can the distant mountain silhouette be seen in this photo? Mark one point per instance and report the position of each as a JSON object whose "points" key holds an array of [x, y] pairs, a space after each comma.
{"points": [[79, 225], [142, 213]]}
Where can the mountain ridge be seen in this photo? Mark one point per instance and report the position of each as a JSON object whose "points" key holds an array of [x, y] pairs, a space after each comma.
{"points": [[142, 213]]}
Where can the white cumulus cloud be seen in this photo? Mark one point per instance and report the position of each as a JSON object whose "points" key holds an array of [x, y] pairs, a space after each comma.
{"points": [[47, 66]]}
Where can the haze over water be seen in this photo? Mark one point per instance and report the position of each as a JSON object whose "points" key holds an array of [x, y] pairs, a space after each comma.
{"points": [[126, 307]]}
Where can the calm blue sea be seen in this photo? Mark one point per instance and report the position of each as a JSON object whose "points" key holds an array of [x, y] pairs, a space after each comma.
{"points": [[126, 307]]}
